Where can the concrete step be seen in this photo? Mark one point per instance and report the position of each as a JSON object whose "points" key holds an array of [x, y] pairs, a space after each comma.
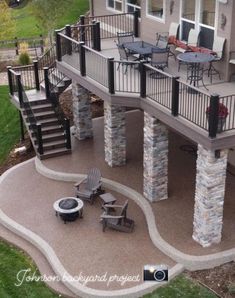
{"points": [[39, 102], [40, 108], [55, 152], [43, 115]]}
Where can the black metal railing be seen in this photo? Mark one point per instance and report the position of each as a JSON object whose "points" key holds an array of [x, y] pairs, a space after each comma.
{"points": [[111, 24], [159, 86], [47, 60], [25, 106], [53, 79], [27, 76], [126, 76], [193, 104], [96, 65], [228, 104]]}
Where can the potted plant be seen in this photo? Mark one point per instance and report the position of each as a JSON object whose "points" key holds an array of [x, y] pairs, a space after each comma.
{"points": [[222, 113]]}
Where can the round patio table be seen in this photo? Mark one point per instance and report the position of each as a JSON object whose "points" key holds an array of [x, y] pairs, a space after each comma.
{"points": [[195, 61], [69, 208]]}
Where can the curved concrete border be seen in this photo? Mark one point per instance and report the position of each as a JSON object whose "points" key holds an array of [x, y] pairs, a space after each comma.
{"points": [[191, 262], [58, 268]]}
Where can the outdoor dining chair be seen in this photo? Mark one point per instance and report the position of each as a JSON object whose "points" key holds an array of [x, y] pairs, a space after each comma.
{"points": [[159, 58], [125, 58], [115, 217], [124, 37], [90, 187]]}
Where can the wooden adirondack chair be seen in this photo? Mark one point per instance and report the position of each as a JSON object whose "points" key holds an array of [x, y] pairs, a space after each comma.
{"points": [[90, 187], [119, 220]]}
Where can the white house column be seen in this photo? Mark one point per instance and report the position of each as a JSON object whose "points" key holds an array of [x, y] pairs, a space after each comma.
{"points": [[209, 196], [82, 112], [155, 159], [114, 135]]}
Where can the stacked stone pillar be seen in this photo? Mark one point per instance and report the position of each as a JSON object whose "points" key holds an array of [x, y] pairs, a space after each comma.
{"points": [[155, 159], [209, 196], [114, 135], [82, 116]]}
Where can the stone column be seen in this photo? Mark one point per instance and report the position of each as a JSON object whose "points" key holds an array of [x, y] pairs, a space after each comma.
{"points": [[209, 196], [155, 159], [82, 112], [114, 135]]}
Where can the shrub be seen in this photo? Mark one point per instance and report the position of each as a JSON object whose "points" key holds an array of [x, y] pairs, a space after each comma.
{"points": [[24, 58]]}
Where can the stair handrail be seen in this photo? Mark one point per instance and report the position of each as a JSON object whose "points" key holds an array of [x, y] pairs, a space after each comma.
{"points": [[52, 96], [26, 106]]}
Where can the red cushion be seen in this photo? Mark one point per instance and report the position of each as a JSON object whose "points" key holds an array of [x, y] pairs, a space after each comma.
{"points": [[181, 45], [172, 39], [194, 49], [207, 51]]}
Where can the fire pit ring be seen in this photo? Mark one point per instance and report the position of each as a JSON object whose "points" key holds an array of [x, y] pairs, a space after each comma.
{"points": [[69, 209]]}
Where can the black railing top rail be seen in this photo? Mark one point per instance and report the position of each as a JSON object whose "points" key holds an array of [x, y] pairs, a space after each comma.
{"points": [[96, 52], [48, 58], [226, 96], [22, 67], [13, 71], [110, 15], [71, 39]]}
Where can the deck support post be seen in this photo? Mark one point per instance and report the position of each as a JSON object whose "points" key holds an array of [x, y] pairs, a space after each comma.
{"points": [[209, 196], [155, 159], [114, 135], [82, 112]]}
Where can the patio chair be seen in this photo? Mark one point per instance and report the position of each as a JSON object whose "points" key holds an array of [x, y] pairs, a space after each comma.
{"points": [[125, 58], [90, 187], [162, 41], [117, 220], [188, 46], [159, 59], [217, 51], [125, 37]]}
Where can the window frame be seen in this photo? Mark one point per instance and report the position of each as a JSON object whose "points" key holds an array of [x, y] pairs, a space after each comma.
{"points": [[114, 9], [197, 22], [160, 20], [132, 5]]}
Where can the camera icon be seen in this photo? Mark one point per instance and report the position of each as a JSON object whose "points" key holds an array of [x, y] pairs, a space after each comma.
{"points": [[155, 273]]}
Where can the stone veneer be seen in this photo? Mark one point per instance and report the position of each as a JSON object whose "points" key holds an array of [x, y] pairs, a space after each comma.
{"points": [[82, 112], [155, 159], [209, 197], [114, 135]]}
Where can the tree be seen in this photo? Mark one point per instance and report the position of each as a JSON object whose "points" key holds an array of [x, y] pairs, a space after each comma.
{"points": [[48, 13], [7, 23]]}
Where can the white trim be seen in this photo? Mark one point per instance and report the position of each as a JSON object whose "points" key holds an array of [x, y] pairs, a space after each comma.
{"points": [[150, 16], [113, 9]]}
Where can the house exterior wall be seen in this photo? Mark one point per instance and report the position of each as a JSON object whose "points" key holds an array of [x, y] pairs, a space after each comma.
{"points": [[149, 26]]}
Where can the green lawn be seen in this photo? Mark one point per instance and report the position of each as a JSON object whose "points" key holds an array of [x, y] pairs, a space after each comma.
{"points": [[181, 287], [12, 261], [9, 124], [26, 24]]}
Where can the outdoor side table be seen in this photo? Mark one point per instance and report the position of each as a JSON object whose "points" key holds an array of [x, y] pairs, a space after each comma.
{"points": [[108, 198], [195, 60], [69, 209]]}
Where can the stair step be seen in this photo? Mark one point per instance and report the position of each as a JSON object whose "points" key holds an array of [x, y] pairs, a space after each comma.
{"points": [[48, 122], [52, 137], [39, 102], [54, 145], [43, 115], [40, 108], [50, 130], [55, 152]]}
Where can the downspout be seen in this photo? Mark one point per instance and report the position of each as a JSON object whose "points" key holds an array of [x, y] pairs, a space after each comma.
{"points": [[91, 4]]}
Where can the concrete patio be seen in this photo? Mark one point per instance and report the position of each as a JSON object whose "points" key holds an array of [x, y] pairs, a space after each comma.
{"points": [[26, 197]]}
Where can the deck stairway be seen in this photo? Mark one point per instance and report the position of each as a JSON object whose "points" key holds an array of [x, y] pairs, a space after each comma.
{"points": [[37, 89]]}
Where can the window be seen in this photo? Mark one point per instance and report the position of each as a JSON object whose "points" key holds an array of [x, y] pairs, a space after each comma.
{"points": [[201, 15], [156, 8], [133, 5], [207, 22], [115, 4], [187, 18]]}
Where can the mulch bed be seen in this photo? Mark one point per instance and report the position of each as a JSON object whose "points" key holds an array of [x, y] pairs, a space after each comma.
{"points": [[220, 279]]}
